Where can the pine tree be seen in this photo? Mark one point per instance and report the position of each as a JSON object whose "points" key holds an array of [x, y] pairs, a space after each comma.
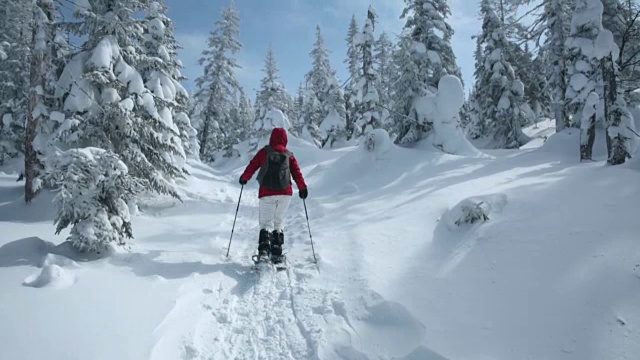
{"points": [[426, 19], [583, 69], [405, 90], [93, 204], [16, 37], [498, 93], [595, 83], [218, 83], [109, 107], [272, 94], [352, 60], [557, 33], [383, 51], [316, 80], [369, 116], [322, 100], [40, 72], [425, 55], [162, 75], [621, 133]]}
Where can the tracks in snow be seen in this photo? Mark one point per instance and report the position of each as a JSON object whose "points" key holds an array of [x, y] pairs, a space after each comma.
{"points": [[239, 314], [267, 315]]}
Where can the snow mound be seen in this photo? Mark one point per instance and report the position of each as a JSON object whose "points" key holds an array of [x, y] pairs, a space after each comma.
{"points": [[377, 142], [443, 110], [474, 210], [348, 188], [53, 274], [274, 118]]}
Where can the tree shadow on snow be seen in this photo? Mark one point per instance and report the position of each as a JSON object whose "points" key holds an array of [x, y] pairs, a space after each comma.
{"points": [[32, 251], [145, 265], [14, 209]]}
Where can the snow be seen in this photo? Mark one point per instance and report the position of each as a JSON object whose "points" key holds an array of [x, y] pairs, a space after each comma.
{"points": [[605, 45], [156, 27], [443, 110], [549, 268], [578, 81], [130, 77], [57, 116], [104, 54], [273, 118], [81, 97], [110, 95], [82, 5]]}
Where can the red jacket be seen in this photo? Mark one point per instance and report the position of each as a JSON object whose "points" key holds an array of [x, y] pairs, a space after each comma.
{"points": [[278, 142]]}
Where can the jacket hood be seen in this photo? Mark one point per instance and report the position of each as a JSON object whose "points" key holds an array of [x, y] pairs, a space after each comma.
{"points": [[278, 138]]}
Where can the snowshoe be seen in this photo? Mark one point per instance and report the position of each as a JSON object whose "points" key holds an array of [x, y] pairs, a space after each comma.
{"points": [[279, 261]]}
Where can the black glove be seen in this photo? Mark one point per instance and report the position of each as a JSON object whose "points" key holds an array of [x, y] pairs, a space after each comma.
{"points": [[242, 182], [304, 193]]}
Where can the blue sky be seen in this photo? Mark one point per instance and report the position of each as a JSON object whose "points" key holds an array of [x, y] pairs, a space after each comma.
{"points": [[289, 25]]}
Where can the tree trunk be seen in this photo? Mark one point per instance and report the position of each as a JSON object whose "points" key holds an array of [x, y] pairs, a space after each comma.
{"points": [[616, 142], [204, 137], [587, 139], [40, 59]]}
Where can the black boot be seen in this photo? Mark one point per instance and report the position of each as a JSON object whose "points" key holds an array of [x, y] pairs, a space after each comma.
{"points": [[277, 240], [263, 245]]}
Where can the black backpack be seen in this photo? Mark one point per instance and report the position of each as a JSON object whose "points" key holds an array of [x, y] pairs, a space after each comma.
{"points": [[275, 173]]}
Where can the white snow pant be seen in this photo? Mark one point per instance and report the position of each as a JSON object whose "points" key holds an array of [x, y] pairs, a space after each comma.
{"points": [[272, 209]]}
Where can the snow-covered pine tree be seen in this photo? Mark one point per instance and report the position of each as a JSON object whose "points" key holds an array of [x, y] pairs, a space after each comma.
{"points": [[423, 57], [162, 75], [383, 51], [428, 27], [629, 45], [245, 116], [553, 23], [94, 186], [498, 92], [621, 133], [218, 83], [16, 36], [323, 108], [39, 90], [584, 68], [108, 106], [476, 127], [333, 126], [271, 95], [352, 60], [316, 81], [369, 117]]}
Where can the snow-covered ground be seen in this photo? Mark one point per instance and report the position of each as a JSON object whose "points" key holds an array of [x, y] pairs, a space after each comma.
{"points": [[553, 273]]}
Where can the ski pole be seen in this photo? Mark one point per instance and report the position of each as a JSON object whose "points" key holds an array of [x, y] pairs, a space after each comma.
{"points": [[315, 261], [234, 220]]}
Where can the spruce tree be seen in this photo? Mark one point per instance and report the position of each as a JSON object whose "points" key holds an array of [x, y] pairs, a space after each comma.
{"points": [[218, 84], [369, 116], [425, 55], [272, 94], [584, 68], [383, 51], [498, 92], [162, 74], [352, 60], [16, 37], [111, 110]]}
